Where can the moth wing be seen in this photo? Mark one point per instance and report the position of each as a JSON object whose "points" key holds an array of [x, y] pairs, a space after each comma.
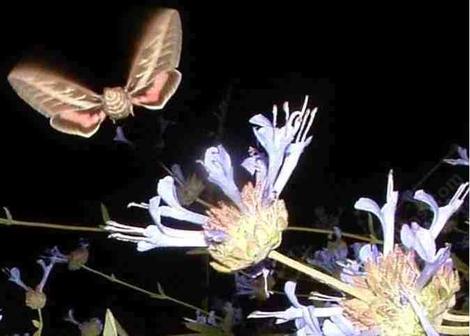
{"points": [[153, 78], [72, 109]]}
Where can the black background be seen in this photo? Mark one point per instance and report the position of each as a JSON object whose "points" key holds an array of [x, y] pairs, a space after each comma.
{"points": [[390, 81]]}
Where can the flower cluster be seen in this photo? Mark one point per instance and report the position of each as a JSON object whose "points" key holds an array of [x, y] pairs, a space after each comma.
{"points": [[242, 229], [397, 296], [35, 297]]}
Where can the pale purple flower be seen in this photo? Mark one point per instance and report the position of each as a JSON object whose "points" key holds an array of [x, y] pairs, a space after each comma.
{"points": [[462, 160], [167, 191], [442, 214], [305, 317], [220, 172], [441, 258], [15, 275], [157, 235], [254, 285], [386, 214], [283, 145], [329, 257], [423, 241]]}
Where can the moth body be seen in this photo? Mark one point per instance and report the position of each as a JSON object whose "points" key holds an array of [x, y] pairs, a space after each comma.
{"points": [[74, 109], [117, 103]]}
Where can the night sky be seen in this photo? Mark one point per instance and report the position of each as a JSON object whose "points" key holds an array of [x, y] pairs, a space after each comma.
{"points": [[390, 81]]}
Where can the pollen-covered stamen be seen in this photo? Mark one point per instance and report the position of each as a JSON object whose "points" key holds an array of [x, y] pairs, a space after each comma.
{"points": [[390, 279], [250, 236]]}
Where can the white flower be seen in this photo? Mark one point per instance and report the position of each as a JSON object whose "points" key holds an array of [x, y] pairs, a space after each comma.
{"points": [[386, 214], [157, 235], [442, 214], [462, 160], [305, 317], [283, 145]]}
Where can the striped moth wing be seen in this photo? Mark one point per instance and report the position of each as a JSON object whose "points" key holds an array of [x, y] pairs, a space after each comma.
{"points": [[153, 78], [72, 109]]}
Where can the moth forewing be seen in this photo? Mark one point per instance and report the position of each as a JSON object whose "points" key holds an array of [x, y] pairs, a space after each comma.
{"points": [[153, 74], [49, 93], [73, 109]]}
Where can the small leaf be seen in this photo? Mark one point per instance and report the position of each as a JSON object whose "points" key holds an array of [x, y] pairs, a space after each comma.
{"points": [[9, 216], [160, 289], [110, 328], [105, 213], [36, 323]]}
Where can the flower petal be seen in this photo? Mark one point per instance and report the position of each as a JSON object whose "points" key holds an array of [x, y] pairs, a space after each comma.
{"points": [[289, 289], [292, 156], [430, 268], [424, 243], [445, 212], [167, 191], [368, 252], [331, 329], [220, 172], [15, 276], [154, 236], [407, 236], [386, 215], [260, 120], [281, 316], [424, 197]]}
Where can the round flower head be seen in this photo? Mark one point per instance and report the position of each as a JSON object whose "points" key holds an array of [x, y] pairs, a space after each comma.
{"points": [[242, 229]]}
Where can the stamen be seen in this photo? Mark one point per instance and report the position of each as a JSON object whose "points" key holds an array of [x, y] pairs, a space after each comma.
{"points": [[461, 193], [126, 238], [316, 296], [274, 116], [116, 227], [310, 122], [142, 205]]}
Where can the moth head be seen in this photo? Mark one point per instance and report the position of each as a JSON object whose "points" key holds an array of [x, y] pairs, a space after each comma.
{"points": [[116, 103]]}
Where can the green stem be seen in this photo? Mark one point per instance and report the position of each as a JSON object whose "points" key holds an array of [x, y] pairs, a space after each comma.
{"points": [[361, 294], [6, 221], [39, 330], [153, 295], [344, 234]]}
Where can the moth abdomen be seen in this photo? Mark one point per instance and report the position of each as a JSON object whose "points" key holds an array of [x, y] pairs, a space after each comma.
{"points": [[117, 103]]}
